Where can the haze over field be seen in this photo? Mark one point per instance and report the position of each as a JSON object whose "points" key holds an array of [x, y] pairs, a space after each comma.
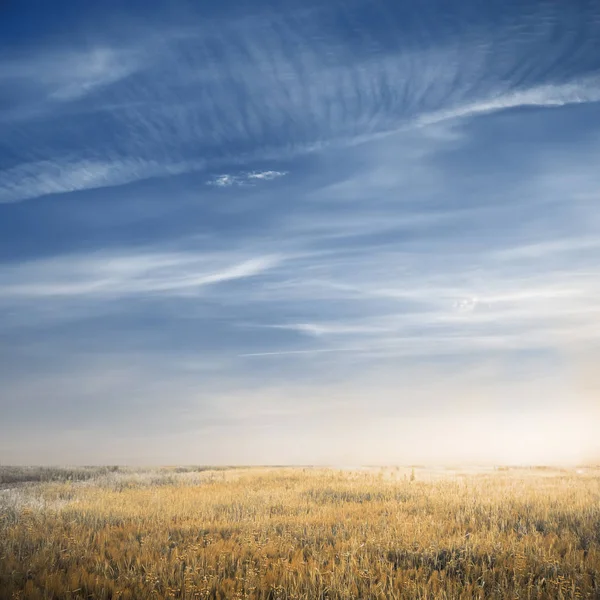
{"points": [[300, 232]]}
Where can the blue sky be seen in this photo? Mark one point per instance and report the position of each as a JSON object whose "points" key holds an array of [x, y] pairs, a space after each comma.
{"points": [[299, 232]]}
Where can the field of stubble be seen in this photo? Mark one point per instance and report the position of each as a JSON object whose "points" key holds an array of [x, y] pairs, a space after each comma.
{"points": [[299, 533]]}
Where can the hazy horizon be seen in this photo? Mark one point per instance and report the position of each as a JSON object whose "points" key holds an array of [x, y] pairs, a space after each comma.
{"points": [[300, 233]]}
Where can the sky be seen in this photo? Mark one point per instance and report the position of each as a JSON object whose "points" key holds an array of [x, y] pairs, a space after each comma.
{"points": [[298, 232]]}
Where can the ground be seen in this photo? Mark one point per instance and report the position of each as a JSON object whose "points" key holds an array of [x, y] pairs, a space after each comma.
{"points": [[283, 533]]}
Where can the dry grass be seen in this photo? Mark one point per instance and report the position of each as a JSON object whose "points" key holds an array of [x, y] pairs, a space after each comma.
{"points": [[303, 533]]}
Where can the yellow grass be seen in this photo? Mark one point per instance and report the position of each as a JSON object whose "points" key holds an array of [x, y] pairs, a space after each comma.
{"points": [[304, 533]]}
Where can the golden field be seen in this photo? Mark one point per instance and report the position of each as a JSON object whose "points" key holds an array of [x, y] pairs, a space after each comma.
{"points": [[291, 533]]}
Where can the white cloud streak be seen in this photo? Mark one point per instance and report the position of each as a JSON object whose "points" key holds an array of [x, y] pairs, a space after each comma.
{"points": [[546, 96], [109, 275], [33, 180], [265, 175], [242, 179]]}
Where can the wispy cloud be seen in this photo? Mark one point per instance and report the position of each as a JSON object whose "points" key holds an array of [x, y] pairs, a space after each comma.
{"points": [[227, 180], [265, 175], [65, 75], [576, 92], [76, 75], [33, 180], [451, 320], [110, 275], [254, 100], [549, 247], [224, 181]]}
